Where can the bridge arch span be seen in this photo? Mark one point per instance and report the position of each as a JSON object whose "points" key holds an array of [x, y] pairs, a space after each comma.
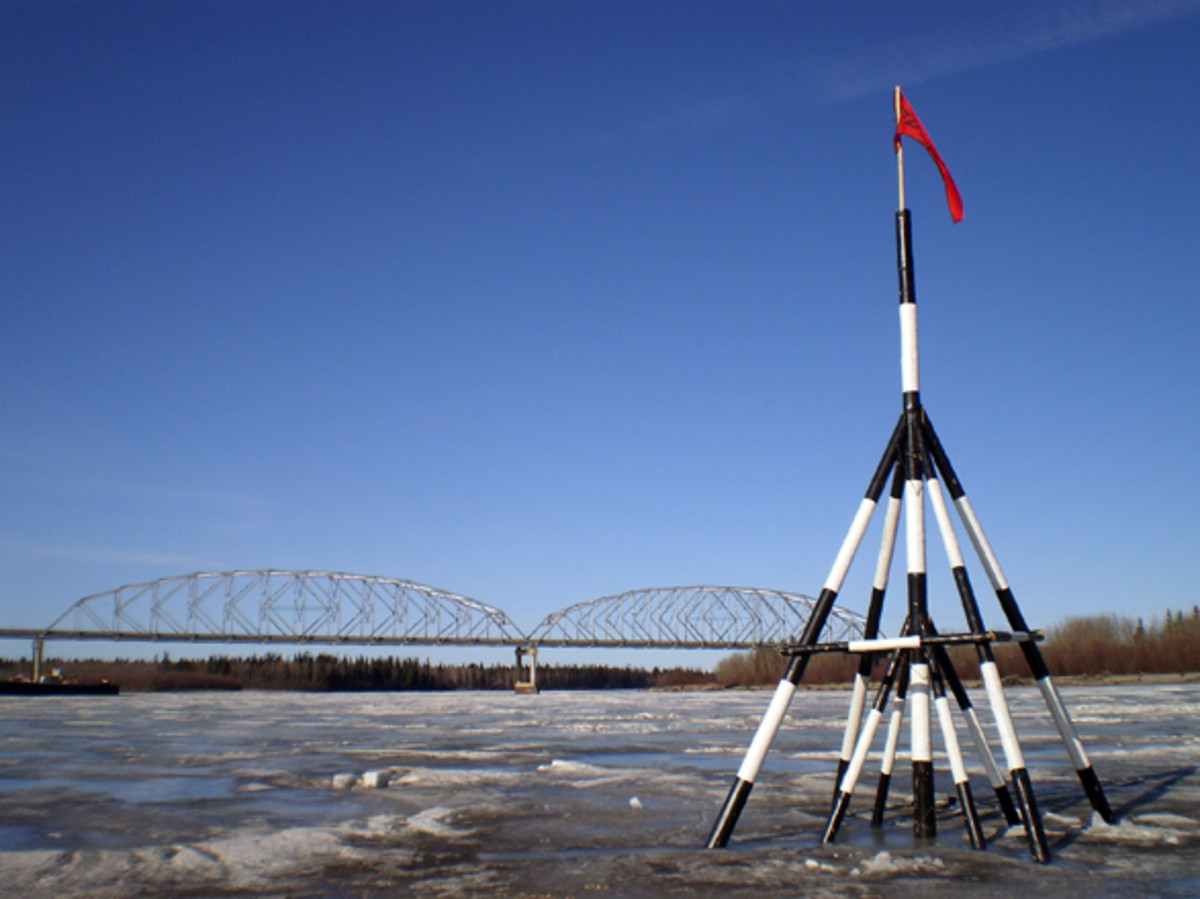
{"points": [[704, 617], [272, 606]]}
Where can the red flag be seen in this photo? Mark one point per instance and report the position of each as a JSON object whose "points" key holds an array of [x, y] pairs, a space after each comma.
{"points": [[909, 124]]}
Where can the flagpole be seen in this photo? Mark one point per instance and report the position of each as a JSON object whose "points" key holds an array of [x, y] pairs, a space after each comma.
{"points": [[899, 147]]}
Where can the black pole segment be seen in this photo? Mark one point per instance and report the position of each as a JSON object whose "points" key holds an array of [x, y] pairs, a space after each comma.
{"points": [[887, 461], [728, 816], [1039, 849], [924, 814], [842, 765], [904, 260], [970, 816], [840, 805], [913, 473], [966, 594], [881, 794], [945, 469], [1095, 794]]}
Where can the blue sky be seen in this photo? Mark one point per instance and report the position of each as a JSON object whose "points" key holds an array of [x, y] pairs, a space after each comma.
{"points": [[540, 302]]}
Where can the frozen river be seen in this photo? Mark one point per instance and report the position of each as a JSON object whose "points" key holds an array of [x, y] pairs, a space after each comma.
{"points": [[561, 794]]}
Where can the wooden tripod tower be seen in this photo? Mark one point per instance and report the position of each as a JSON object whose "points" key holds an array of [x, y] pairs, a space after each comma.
{"points": [[919, 670]]}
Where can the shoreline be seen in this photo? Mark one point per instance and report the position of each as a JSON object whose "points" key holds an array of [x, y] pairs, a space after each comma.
{"points": [[1065, 680]]}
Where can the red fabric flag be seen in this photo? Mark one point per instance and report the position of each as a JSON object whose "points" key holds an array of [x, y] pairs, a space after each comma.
{"points": [[909, 124]]}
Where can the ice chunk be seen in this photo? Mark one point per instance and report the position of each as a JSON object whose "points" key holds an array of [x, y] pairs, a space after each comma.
{"points": [[885, 865], [375, 780], [345, 781]]}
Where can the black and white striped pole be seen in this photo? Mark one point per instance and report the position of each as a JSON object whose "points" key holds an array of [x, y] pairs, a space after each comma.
{"points": [[1033, 655], [962, 783], [890, 744], [849, 779], [924, 818], [765, 735], [883, 564], [995, 778], [989, 674]]}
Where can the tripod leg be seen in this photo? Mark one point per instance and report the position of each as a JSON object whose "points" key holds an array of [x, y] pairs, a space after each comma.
{"points": [[962, 783], [971, 608], [995, 778], [987, 668], [1039, 849], [744, 781], [1033, 654], [883, 564], [895, 724], [862, 746]]}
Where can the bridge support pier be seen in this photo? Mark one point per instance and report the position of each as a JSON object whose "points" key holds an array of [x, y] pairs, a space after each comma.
{"points": [[39, 654], [527, 685]]}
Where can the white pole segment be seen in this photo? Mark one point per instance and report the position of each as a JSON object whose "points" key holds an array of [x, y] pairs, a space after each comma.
{"points": [[980, 541], [1062, 720], [891, 524], [914, 526], [949, 539], [895, 724], [858, 701], [1004, 724], [910, 372], [950, 738], [883, 644], [995, 778], [858, 527], [767, 729], [922, 749], [861, 748]]}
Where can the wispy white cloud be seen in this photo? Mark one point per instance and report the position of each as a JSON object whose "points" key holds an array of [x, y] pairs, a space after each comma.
{"points": [[55, 552], [213, 499], [975, 36], [1001, 34]]}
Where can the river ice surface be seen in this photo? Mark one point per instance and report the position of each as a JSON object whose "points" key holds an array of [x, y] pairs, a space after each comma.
{"points": [[559, 794]]}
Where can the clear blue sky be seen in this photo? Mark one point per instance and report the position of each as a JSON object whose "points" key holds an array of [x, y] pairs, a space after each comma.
{"points": [[539, 302]]}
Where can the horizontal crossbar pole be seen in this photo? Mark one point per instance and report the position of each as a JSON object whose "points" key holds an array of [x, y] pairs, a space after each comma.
{"points": [[914, 641]]}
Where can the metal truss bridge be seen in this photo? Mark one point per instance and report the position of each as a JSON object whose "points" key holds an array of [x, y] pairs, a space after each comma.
{"points": [[306, 607]]}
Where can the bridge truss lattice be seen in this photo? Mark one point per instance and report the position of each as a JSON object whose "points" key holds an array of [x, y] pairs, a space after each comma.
{"points": [[303, 607], [702, 617], [285, 607]]}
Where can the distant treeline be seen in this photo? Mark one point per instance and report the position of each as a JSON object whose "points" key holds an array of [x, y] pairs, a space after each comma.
{"points": [[327, 672], [1096, 645], [1092, 645]]}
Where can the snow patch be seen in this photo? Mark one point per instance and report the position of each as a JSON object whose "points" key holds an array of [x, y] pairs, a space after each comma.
{"points": [[1146, 830], [885, 865], [431, 821]]}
